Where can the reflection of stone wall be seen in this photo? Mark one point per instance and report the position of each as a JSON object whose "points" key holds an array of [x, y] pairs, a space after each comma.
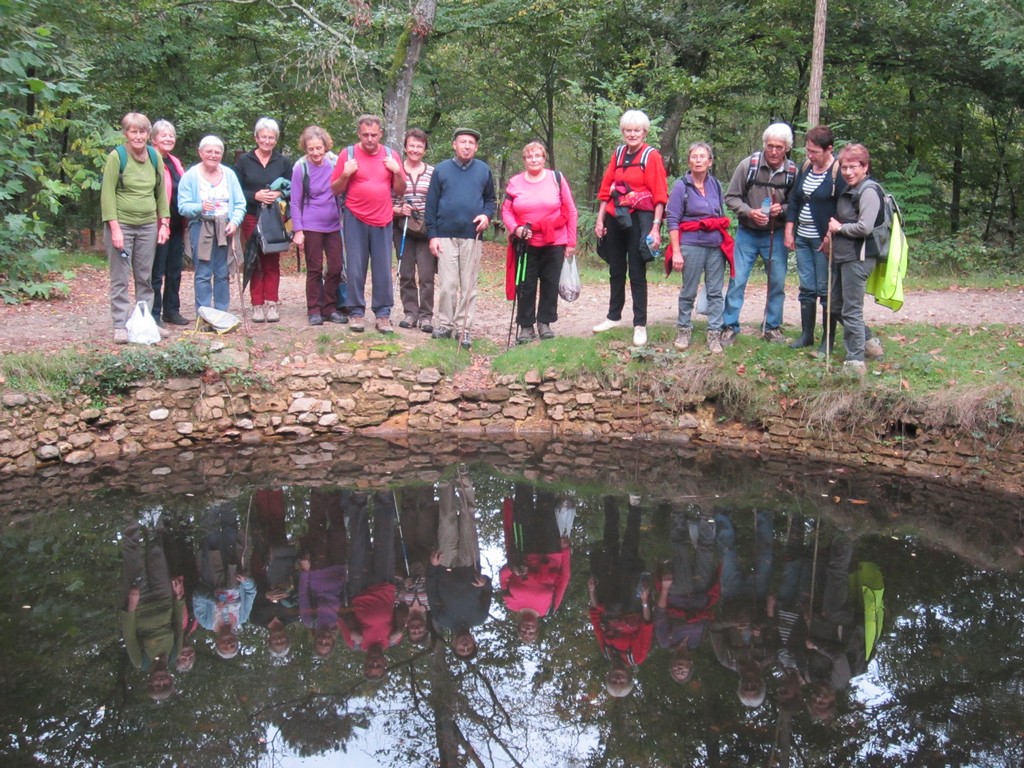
{"points": [[36, 431]]}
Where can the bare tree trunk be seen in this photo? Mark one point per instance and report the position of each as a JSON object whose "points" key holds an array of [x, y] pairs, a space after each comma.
{"points": [[958, 179], [407, 57], [677, 106], [817, 63]]}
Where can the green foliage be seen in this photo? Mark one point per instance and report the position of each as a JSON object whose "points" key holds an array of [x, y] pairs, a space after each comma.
{"points": [[915, 193], [115, 374], [443, 354], [569, 356], [26, 267], [964, 256], [44, 372]]}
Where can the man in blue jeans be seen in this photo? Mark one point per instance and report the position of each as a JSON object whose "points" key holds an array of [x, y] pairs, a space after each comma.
{"points": [[757, 194]]}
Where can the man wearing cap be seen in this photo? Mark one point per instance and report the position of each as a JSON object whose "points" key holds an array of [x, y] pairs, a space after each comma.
{"points": [[460, 206], [368, 174]]}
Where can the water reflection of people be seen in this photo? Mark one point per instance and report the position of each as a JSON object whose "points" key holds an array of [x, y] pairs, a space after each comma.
{"points": [[322, 569], [417, 528], [224, 598], [688, 591], [373, 621], [273, 569], [738, 633], [458, 592], [154, 607], [620, 605], [536, 574]]}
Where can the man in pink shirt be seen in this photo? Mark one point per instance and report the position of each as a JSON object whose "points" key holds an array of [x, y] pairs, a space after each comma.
{"points": [[368, 175]]}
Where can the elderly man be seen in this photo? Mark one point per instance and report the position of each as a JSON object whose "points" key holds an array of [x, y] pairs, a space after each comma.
{"points": [[460, 205], [368, 174], [757, 194]]}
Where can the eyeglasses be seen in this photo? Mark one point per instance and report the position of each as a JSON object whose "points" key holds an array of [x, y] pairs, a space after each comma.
{"points": [[850, 166], [774, 147]]}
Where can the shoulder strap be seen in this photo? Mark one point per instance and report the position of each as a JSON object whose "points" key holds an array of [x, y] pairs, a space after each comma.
{"points": [[558, 184], [122, 158], [620, 155]]}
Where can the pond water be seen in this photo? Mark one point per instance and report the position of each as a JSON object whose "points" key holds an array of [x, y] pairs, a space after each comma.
{"points": [[765, 584]]}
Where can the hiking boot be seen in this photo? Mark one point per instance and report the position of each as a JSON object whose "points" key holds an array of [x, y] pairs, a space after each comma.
{"points": [[120, 335], [545, 332], [338, 317], [854, 369], [427, 327], [606, 325], [175, 318], [873, 349], [357, 324], [272, 313], [441, 333], [164, 333], [774, 335], [384, 325], [832, 321], [526, 334], [728, 337], [407, 322], [715, 342], [259, 314], [466, 342], [683, 336], [639, 336], [316, 320]]}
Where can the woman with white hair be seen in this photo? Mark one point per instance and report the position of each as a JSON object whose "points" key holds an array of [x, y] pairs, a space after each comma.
{"points": [[169, 254], [257, 171], [211, 198], [634, 192]]}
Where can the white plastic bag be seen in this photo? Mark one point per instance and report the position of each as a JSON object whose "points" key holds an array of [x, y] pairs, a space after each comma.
{"points": [[141, 326], [218, 320], [569, 283], [564, 516], [701, 305]]}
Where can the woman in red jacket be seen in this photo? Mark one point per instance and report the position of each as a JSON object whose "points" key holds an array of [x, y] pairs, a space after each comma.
{"points": [[634, 191]]}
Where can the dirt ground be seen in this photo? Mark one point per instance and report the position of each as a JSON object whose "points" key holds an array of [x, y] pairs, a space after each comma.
{"points": [[82, 319]]}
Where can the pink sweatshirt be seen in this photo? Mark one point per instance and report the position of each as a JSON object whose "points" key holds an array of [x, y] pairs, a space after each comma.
{"points": [[540, 203]]}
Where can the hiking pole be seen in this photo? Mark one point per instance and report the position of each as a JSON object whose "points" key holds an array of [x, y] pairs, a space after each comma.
{"points": [[768, 290], [401, 536], [814, 570], [828, 309]]}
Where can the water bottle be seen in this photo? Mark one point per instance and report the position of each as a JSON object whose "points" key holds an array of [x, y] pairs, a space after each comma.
{"points": [[650, 245], [766, 206]]}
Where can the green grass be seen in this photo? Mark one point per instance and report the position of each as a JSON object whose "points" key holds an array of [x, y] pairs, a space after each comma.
{"points": [[71, 260], [571, 357], [44, 372], [445, 355]]}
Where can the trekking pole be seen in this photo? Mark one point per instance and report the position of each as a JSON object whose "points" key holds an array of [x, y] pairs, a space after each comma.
{"points": [[828, 309], [401, 248], [401, 536], [814, 569]]}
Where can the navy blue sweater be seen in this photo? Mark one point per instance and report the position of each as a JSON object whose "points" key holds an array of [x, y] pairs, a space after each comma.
{"points": [[458, 195]]}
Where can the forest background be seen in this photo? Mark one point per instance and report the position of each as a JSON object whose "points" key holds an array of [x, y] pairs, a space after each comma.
{"points": [[934, 89]]}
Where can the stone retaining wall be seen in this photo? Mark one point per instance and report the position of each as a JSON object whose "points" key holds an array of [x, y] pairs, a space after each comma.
{"points": [[36, 430]]}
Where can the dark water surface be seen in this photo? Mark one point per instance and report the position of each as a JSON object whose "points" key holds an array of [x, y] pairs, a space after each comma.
{"points": [[759, 553]]}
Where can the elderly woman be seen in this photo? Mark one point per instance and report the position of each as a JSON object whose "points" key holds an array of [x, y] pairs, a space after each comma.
{"points": [[539, 210], [133, 200], [854, 253], [210, 197], [698, 232], [812, 202], [634, 191], [316, 224], [416, 264], [169, 254], [257, 171]]}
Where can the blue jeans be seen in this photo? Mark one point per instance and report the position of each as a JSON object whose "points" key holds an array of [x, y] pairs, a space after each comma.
{"points": [[749, 245], [709, 262], [812, 268], [213, 286], [735, 582]]}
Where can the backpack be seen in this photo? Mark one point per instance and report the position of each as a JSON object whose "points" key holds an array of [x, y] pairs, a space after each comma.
{"points": [[716, 184], [754, 164], [621, 161], [882, 235], [122, 157], [350, 153], [835, 172]]}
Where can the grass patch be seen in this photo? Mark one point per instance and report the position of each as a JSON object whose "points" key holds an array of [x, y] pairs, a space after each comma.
{"points": [[443, 354], [115, 374], [571, 357], [72, 260], [41, 372]]}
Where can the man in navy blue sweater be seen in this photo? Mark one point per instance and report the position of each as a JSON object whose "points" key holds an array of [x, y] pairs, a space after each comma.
{"points": [[460, 206]]}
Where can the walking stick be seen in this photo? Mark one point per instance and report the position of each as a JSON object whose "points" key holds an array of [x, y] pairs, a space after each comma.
{"points": [[828, 309], [401, 536], [814, 570], [401, 248]]}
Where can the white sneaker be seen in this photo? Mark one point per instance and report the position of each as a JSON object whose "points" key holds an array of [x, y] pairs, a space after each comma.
{"points": [[639, 336], [606, 325], [258, 314]]}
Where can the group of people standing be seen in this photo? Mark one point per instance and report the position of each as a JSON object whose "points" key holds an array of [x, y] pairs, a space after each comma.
{"points": [[816, 209], [351, 211]]}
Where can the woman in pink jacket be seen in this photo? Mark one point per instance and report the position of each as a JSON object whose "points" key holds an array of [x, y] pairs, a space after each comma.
{"points": [[539, 210]]}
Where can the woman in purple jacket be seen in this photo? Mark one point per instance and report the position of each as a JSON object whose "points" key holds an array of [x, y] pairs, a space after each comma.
{"points": [[316, 224], [700, 244]]}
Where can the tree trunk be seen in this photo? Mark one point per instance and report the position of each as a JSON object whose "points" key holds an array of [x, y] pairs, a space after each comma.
{"points": [[677, 106], [407, 56], [958, 179], [817, 63]]}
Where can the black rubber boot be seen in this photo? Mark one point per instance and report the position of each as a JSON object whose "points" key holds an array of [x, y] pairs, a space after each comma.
{"points": [[807, 315], [833, 321]]}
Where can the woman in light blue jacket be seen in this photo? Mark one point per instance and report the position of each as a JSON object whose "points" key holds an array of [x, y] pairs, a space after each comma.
{"points": [[211, 198]]}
